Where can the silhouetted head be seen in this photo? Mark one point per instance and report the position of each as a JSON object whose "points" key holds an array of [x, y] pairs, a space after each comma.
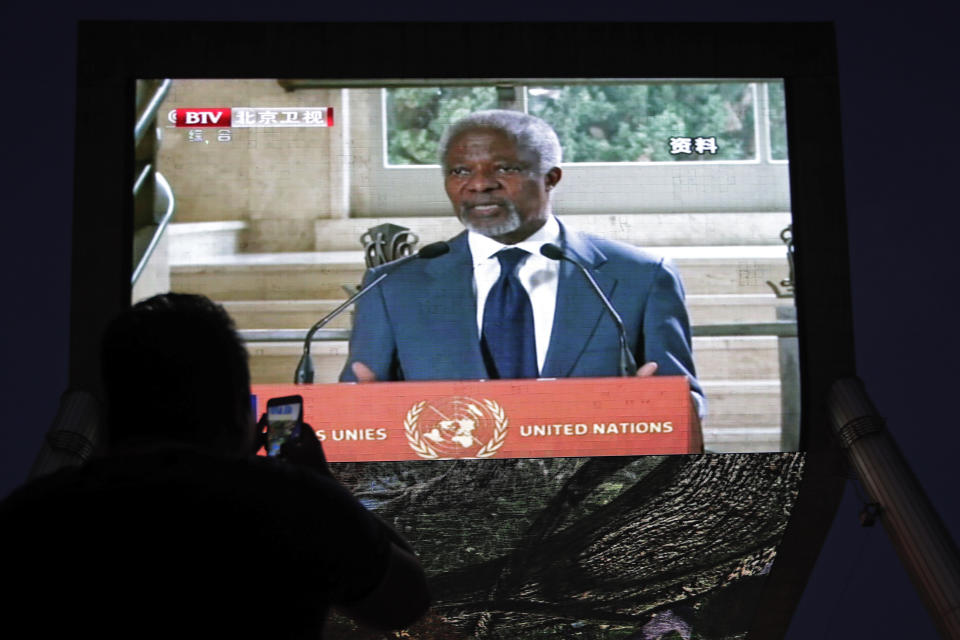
{"points": [[175, 369]]}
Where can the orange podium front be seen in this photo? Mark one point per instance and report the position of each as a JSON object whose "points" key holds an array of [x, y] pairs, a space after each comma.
{"points": [[546, 418]]}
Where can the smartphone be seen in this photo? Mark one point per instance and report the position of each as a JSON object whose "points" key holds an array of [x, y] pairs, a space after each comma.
{"points": [[284, 418]]}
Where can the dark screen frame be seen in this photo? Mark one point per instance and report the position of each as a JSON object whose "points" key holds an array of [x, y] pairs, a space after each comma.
{"points": [[112, 55]]}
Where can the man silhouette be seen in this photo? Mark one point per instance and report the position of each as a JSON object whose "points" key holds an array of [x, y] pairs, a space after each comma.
{"points": [[176, 529]]}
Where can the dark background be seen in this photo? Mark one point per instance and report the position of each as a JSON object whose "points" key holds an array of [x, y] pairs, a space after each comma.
{"points": [[897, 68]]}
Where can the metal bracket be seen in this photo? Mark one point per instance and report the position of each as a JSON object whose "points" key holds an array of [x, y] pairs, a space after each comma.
{"points": [[788, 284]]}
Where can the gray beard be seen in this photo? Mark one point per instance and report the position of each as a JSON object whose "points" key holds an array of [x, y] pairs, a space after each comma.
{"points": [[511, 224]]}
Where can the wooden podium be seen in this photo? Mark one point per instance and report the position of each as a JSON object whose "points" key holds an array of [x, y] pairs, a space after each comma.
{"points": [[545, 418]]}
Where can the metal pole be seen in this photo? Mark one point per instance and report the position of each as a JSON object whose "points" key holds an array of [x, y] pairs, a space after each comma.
{"points": [[923, 543], [72, 437]]}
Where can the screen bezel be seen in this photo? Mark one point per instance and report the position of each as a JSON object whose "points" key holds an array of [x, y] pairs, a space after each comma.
{"points": [[803, 55]]}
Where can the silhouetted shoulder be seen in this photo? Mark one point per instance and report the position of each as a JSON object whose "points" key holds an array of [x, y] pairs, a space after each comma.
{"points": [[217, 529]]}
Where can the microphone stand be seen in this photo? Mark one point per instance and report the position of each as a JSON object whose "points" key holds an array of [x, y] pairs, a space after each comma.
{"points": [[628, 364], [304, 373]]}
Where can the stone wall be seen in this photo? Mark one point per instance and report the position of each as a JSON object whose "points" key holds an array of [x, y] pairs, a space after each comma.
{"points": [[278, 180]]}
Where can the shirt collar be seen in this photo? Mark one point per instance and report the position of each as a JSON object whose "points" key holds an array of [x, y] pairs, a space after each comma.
{"points": [[483, 248]]}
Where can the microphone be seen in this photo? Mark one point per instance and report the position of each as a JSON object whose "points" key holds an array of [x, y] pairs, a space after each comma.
{"points": [[628, 364], [304, 372]]}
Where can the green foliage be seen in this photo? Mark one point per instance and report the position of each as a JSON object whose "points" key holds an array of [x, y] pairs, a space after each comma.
{"points": [[778, 120], [634, 123], [602, 123], [417, 117]]}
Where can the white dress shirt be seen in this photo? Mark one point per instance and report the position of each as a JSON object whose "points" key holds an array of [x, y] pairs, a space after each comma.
{"points": [[537, 273]]}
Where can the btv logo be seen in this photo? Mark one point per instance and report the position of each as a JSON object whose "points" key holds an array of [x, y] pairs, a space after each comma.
{"points": [[207, 117]]}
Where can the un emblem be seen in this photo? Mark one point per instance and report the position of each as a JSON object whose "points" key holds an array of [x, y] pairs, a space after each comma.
{"points": [[456, 427]]}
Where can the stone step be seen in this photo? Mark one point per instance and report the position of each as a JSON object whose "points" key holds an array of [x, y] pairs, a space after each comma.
{"points": [[319, 275], [285, 314], [645, 230], [728, 270], [190, 241], [734, 358], [739, 404], [293, 314], [737, 358], [275, 362], [271, 276], [733, 308], [746, 440], [743, 416]]}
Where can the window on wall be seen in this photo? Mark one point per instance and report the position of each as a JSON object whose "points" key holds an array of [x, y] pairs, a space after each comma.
{"points": [[649, 122], [417, 117], [777, 120], [638, 146]]}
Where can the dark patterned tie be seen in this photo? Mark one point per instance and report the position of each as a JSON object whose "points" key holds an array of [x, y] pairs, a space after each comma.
{"points": [[508, 341]]}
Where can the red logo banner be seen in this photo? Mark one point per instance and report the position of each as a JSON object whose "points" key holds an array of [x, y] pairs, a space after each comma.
{"points": [[201, 117], [498, 419]]}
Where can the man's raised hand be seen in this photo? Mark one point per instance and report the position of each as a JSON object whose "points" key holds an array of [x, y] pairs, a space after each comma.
{"points": [[647, 370], [363, 372], [305, 449]]}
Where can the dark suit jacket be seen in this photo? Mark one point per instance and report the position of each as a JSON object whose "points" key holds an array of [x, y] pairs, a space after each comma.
{"points": [[421, 323]]}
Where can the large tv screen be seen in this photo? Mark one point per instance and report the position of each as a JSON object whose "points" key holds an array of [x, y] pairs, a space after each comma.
{"points": [[261, 185], [277, 187]]}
